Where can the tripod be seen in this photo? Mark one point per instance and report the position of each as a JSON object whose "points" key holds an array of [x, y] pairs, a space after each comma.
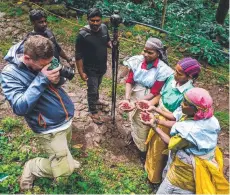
{"points": [[115, 21]]}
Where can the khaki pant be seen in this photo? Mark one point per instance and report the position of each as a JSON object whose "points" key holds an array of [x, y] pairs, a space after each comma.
{"points": [[60, 161]]}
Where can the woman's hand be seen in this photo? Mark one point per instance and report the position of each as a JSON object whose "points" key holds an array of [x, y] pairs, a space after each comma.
{"points": [[126, 106], [152, 108], [143, 105], [150, 116]]}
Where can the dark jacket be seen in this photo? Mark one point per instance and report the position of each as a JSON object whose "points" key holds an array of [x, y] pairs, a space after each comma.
{"points": [[91, 47]]}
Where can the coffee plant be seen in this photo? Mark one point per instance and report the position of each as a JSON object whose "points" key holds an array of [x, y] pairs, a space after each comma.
{"points": [[191, 22]]}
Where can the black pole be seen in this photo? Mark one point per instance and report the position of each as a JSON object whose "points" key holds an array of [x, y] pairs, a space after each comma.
{"points": [[115, 21]]}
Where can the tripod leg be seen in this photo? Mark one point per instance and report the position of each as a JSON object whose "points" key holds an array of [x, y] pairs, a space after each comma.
{"points": [[115, 79], [113, 86]]}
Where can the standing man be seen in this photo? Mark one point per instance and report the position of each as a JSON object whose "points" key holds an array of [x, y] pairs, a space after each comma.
{"points": [[34, 92], [38, 19], [91, 58]]}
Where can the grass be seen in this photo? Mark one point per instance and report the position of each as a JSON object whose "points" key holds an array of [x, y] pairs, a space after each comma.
{"points": [[5, 45], [125, 116], [107, 84], [4, 6], [96, 176], [223, 118], [8, 124], [10, 10], [16, 149]]}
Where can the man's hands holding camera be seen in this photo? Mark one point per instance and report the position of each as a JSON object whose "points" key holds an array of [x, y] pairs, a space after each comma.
{"points": [[52, 75]]}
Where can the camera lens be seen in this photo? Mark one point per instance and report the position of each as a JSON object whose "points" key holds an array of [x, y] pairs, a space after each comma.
{"points": [[67, 72]]}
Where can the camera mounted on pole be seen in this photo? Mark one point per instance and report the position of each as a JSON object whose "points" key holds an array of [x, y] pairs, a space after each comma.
{"points": [[115, 20]]}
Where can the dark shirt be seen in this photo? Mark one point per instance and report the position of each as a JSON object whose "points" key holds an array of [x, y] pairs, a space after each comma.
{"points": [[48, 34], [91, 47]]}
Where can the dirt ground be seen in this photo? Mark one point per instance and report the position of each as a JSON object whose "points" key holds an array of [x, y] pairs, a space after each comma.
{"points": [[115, 138]]}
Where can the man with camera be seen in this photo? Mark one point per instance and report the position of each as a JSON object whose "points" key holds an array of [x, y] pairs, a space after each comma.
{"points": [[91, 58], [33, 91], [38, 19]]}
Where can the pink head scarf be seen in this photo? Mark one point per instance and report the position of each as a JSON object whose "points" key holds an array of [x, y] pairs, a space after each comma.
{"points": [[201, 99]]}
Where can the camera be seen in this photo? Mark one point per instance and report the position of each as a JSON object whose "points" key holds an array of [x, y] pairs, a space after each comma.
{"points": [[66, 72], [115, 19]]}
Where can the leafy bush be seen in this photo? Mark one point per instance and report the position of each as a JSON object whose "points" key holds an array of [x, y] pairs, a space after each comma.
{"points": [[189, 21], [82, 4], [10, 123], [195, 21], [131, 12]]}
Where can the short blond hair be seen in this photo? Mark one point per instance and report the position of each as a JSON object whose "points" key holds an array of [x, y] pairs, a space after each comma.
{"points": [[38, 47]]}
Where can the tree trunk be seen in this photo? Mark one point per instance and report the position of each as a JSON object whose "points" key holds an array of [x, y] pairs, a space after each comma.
{"points": [[222, 11], [163, 14]]}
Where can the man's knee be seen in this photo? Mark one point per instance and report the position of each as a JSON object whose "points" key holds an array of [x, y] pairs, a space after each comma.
{"points": [[62, 164]]}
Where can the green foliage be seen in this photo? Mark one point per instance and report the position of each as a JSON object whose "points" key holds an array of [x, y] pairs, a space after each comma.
{"points": [[5, 45], [16, 11], [107, 83], [11, 10], [52, 18], [15, 151], [9, 123], [195, 21], [96, 176], [223, 118], [205, 49], [130, 11], [82, 4], [191, 22], [64, 32], [4, 6], [125, 116]]}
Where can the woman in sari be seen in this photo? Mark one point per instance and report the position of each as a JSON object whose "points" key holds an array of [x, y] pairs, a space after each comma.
{"points": [[186, 72], [195, 164], [146, 77]]}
